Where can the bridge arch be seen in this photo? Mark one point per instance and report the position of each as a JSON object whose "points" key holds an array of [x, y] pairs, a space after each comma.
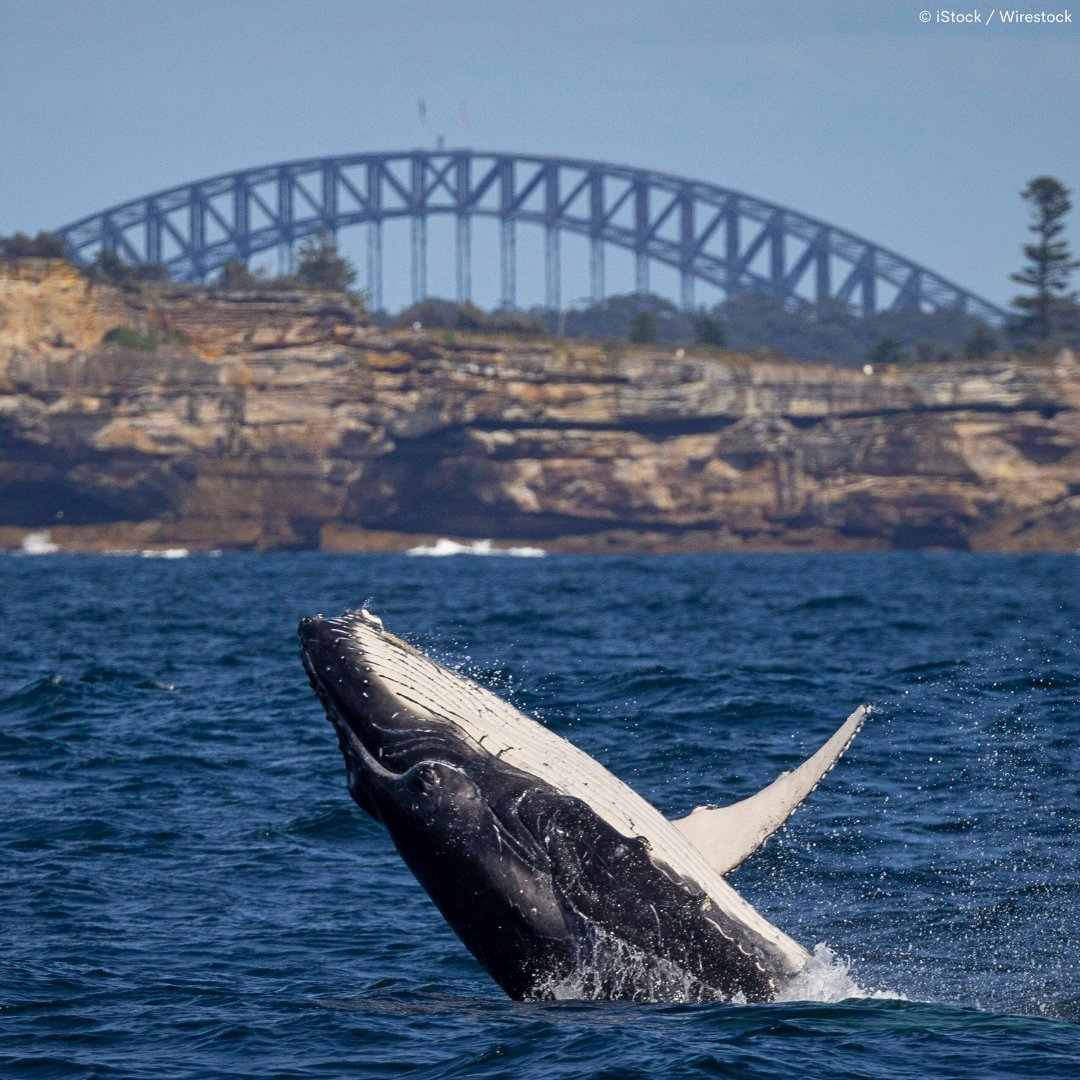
{"points": [[707, 233]]}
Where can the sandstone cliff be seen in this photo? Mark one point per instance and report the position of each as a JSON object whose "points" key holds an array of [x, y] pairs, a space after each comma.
{"points": [[283, 420]]}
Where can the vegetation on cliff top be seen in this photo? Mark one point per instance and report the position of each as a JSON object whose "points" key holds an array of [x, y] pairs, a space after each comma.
{"points": [[1050, 310], [43, 246], [1047, 317]]}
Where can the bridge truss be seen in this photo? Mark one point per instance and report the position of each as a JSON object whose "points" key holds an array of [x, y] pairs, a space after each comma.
{"points": [[707, 233]]}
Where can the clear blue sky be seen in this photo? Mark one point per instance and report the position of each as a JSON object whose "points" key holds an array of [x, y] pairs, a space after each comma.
{"points": [[917, 136]]}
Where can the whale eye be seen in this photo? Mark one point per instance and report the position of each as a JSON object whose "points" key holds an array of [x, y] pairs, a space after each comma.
{"points": [[426, 776]]}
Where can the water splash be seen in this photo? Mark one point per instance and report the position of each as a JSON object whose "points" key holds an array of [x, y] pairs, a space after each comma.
{"points": [[39, 543], [828, 978], [608, 968], [443, 547]]}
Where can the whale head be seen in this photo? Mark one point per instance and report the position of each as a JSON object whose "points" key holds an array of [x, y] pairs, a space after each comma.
{"points": [[396, 745], [412, 766], [373, 727]]}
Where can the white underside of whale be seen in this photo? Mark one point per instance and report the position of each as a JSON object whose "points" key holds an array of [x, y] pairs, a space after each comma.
{"points": [[701, 847]]}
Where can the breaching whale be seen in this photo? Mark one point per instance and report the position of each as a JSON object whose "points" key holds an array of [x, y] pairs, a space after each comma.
{"points": [[559, 879]]}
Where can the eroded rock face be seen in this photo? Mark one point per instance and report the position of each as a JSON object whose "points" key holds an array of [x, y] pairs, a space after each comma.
{"points": [[285, 421], [48, 306]]}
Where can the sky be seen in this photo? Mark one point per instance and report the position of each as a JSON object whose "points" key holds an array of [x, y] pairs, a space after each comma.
{"points": [[916, 135]]}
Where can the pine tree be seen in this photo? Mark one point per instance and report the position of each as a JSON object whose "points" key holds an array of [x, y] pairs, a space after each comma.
{"points": [[1051, 307]]}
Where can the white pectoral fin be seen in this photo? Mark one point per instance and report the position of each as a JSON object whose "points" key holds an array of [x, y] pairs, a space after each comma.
{"points": [[728, 835]]}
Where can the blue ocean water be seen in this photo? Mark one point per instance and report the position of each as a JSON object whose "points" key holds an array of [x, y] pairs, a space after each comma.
{"points": [[186, 888]]}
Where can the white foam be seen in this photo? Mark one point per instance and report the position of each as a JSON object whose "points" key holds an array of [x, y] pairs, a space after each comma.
{"points": [[827, 977], [443, 546], [608, 967], [165, 553], [38, 543]]}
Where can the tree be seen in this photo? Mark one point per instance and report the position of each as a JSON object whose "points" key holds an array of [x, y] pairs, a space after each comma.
{"points": [[643, 329], [151, 272], [886, 350], [709, 330], [1049, 308], [109, 266], [321, 266], [614, 317], [235, 276], [981, 343], [43, 246]]}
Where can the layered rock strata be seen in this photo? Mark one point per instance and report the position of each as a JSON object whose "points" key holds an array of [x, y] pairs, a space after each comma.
{"points": [[264, 421]]}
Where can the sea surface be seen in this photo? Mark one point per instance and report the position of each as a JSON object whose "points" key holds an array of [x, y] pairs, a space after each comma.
{"points": [[186, 889]]}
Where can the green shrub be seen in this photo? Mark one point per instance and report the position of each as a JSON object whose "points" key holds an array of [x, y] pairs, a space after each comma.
{"points": [[130, 339]]}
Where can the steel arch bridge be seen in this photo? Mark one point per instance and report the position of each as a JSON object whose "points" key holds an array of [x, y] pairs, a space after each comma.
{"points": [[707, 233]]}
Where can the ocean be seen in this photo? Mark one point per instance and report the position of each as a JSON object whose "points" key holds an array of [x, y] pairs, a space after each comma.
{"points": [[187, 890]]}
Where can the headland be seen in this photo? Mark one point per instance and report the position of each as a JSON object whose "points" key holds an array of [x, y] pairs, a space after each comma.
{"points": [[184, 416]]}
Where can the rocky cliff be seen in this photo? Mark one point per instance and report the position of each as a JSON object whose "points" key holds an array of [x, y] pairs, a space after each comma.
{"points": [[263, 421]]}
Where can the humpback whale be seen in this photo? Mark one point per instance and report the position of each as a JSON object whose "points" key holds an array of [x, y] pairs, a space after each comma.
{"points": [[559, 878]]}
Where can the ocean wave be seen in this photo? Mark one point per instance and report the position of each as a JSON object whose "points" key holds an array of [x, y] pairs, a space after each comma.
{"points": [[38, 543], [444, 546], [151, 553]]}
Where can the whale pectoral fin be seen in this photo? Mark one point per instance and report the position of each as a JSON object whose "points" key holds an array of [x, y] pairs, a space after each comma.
{"points": [[728, 835]]}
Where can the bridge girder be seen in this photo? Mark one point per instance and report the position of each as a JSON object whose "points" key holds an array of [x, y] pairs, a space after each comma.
{"points": [[707, 233]]}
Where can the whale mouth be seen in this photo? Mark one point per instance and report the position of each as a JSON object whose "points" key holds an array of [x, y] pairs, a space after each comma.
{"points": [[319, 630], [333, 661], [328, 644], [314, 643], [342, 679], [337, 654]]}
